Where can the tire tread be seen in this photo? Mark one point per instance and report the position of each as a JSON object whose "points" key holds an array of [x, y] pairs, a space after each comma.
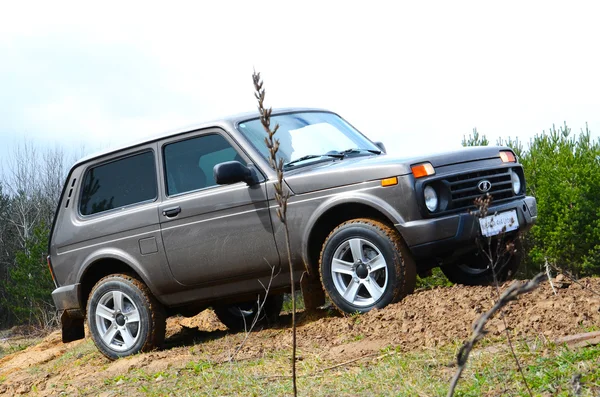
{"points": [[158, 314], [405, 265]]}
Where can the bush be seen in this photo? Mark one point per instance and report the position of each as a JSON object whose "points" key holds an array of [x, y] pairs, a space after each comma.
{"points": [[562, 171]]}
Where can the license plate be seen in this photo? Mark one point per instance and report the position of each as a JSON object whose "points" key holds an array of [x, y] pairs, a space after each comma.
{"points": [[494, 224]]}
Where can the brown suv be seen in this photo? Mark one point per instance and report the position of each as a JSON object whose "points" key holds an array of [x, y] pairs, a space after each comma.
{"points": [[185, 221]]}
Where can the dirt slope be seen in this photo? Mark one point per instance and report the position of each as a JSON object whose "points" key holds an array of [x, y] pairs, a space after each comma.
{"points": [[425, 319]]}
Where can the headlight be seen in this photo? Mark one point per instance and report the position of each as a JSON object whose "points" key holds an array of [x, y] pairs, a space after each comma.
{"points": [[431, 198], [516, 182]]}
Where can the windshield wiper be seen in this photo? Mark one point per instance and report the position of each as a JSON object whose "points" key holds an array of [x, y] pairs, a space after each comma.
{"points": [[314, 156], [357, 150], [338, 155]]}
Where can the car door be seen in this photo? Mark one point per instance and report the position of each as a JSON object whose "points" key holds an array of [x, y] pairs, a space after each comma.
{"points": [[211, 232]]}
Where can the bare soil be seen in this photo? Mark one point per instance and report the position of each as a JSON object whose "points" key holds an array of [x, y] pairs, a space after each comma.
{"points": [[426, 319]]}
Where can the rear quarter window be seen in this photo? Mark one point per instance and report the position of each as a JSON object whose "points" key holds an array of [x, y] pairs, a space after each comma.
{"points": [[120, 183]]}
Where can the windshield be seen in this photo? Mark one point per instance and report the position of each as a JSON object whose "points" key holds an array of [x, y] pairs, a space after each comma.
{"points": [[310, 135]]}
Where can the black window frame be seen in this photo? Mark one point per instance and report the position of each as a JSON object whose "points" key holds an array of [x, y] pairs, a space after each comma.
{"points": [[234, 145], [112, 160]]}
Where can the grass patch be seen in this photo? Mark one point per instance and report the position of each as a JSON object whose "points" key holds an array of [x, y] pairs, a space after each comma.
{"points": [[491, 371], [287, 302], [79, 355], [437, 279], [10, 347]]}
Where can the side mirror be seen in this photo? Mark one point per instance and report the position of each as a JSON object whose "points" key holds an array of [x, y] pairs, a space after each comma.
{"points": [[381, 146], [231, 172]]}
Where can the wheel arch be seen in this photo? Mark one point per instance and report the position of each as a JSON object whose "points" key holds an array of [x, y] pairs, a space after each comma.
{"points": [[338, 210], [104, 263]]}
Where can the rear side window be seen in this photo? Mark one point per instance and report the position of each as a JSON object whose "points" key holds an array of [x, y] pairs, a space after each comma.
{"points": [[119, 183]]}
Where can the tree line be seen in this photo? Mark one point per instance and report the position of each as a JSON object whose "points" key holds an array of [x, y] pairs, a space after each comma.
{"points": [[31, 181]]}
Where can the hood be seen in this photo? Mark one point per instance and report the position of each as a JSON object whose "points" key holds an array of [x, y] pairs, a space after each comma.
{"points": [[351, 170]]}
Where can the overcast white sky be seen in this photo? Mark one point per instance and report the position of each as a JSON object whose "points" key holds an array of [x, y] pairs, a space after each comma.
{"points": [[416, 75]]}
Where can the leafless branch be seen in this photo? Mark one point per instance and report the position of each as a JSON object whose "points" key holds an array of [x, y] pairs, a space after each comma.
{"points": [[549, 275], [260, 303], [574, 279], [510, 294], [497, 261], [508, 337]]}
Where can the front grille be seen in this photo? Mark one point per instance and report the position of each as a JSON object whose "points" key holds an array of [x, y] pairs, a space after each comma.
{"points": [[464, 190]]}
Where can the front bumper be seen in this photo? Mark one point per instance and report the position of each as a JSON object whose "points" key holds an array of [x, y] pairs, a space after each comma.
{"points": [[442, 237]]}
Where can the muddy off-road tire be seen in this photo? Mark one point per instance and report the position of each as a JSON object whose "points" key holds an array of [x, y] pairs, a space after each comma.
{"points": [[239, 317], [475, 269], [123, 317], [365, 264]]}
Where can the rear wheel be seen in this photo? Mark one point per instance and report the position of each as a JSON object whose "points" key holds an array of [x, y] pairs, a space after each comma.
{"points": [[476, 269], [364, 265], [124, 318], [240, 316]]}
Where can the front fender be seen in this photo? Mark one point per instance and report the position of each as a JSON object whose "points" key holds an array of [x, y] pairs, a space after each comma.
{"points": [[364, 197]]}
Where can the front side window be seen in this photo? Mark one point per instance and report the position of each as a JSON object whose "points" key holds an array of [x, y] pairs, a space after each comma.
{"points": [[122, 182], [189, 164], [309, 134]]}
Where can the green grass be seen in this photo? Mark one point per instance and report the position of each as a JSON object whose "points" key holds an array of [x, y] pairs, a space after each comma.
{"points": [[287, 302], [591, 328], [437, 279], [14, 347], [490, 371], [77, 356]]}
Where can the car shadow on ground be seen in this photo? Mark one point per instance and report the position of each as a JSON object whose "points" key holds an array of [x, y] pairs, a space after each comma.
{"points": [[188, 336]]}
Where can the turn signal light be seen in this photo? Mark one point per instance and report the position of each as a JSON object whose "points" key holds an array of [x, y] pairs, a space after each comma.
{"points": [[421, 170], [389, 181], [507, 157]]}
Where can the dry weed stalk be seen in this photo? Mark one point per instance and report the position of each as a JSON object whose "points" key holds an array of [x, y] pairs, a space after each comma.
{"points": [[496, 266], [547, 266], [260, 304], [479, 331], [281, 197], [574, 279], [507, 332]]}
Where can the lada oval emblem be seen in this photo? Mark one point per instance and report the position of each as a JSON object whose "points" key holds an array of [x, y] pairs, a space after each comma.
{"points": [[484, 186]]}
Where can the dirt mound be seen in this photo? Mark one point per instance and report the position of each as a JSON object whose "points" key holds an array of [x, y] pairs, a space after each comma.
{"points": [[426, 319], [445, 315]]}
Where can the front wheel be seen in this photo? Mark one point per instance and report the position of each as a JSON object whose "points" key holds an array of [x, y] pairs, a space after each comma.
{"points": [[364, 265], [241, 316], [124, 318], [478, 269]]}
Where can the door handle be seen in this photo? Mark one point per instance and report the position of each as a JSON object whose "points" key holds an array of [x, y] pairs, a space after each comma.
{"points": [[171, 212]]}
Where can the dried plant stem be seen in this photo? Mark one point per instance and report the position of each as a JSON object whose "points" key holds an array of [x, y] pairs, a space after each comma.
{"points": [[496, 266], [293, 292], [549, 276], [511, 294], [508, 338], [281, 198], [573, 279], [260, 304]]}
